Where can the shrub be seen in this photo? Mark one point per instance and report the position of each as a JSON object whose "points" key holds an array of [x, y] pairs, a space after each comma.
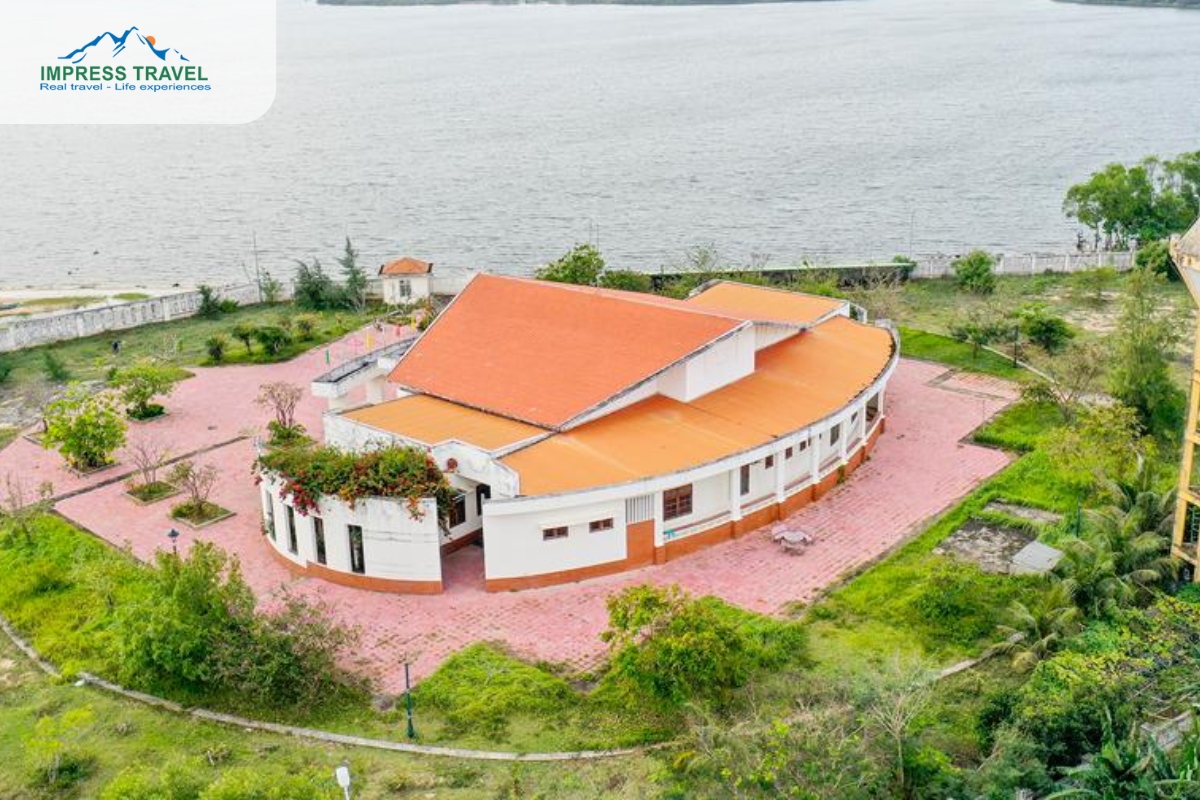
{"points": [[974, 272], [627, 280], [85, 428], [140, 383], [216, 346], [227, 306], [1048, 331], [286, 435], [312, 472], [176, 781], [582, 265], [210, 304], [1156, 256], [245, 334], [479, 688], [54, 367], [272, 338], [246, 783], [314, 290], [57, 764], [198, 483], [306, 326], [6, 368]]}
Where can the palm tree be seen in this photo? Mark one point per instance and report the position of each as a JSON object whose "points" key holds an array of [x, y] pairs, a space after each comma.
{"points": [[1140, 550], [1134, 767], [1035, 630], [1137, 495]]}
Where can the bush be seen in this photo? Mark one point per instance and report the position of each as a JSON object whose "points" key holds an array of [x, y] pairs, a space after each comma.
{"points": [[244, 334], [582, 265], [974, 272], [86, 428], [272, 338], [1048, 331], [140, 383], [1157, 257], [6, 368], [480, 687], [306, 326], [227, 306], [286, 435], [210, 304], [627, 280], [245, 783], [54, 367], [216, 347], [176, 781]]}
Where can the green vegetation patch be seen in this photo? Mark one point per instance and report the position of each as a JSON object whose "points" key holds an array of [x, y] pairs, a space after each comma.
{"points": [[1021, 426], [944, 350]]}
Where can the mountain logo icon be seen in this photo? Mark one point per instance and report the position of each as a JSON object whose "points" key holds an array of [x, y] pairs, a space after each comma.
{"points": [[132, 44]]}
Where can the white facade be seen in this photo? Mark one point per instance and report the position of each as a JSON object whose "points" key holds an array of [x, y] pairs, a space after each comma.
{"points": [[400, 289]]}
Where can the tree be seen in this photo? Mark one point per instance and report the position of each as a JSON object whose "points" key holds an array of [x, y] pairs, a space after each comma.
{"points": [[581, 265], [85, 428], [210, 302], [281, 398], [273, 338], [1156, 257], [978, 329], [1034, 630], [140, 383], [148, 455], [20, 507], [314, 290], [881, 294], [244, 333], [1147, 332], [1101, 442], [353, 278], [974, 272], [50, 747], [269, 288], [898, 695], [1046, 330], [626, 280], [197, 482], [1092, 285], [1076, 375]]}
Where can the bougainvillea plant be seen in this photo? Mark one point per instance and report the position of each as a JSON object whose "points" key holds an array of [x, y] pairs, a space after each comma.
{"points": [[310, 473]]}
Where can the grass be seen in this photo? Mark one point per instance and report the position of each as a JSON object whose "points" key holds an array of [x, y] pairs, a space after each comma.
{"points": [[126, 737], [131, 297], [153, 492], [1021, 426], [179, 342], [7, 435], [199, 513], [64, 589], [944, 350]]}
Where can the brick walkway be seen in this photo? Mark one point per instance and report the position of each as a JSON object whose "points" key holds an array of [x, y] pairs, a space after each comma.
{"points": [[919, 468]]}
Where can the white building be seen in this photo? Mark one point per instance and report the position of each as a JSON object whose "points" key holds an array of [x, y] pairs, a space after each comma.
{"points": [[591, 431], [404, 280]]}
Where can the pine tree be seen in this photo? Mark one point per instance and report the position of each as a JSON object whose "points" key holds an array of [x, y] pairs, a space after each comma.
{"points": [[354, 277]]}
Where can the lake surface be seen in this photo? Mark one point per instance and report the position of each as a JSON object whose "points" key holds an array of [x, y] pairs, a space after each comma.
{"points": [[498, 136]]}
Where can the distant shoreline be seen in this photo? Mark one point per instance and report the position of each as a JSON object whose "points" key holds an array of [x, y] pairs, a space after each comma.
{"points": [[1169, 4], [558, 2]]}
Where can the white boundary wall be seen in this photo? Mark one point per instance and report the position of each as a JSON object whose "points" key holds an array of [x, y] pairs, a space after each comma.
{"points": [[20, 332]]}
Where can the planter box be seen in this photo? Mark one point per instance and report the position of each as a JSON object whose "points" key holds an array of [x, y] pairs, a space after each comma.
{"points": [[147, 420], [222, 514], [172, 492], [87, 473]]}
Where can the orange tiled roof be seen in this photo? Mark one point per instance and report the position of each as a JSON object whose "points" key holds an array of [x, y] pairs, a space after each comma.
{"points": [[431, 421], [406, 266], [797, 382], [764, 303], [546, 353]]}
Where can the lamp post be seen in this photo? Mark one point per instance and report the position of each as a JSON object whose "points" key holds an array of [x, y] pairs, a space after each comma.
{"points": [[412, 732], [173, 535], [342, 774]]}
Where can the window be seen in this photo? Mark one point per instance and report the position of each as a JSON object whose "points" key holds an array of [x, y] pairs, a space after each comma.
{"points": [[319, 539], [404, 287], [835, 433], [358, 563], [482, 492], [1191, 525], [769, 462], [458, 510], [677, 502], [554, 533], [270, 518], [788, 453], [293, 545], [597, 525], [802, 446], [743, 481]]}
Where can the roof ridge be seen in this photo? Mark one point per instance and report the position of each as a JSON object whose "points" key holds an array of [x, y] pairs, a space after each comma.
{"points": [[626, 295]]}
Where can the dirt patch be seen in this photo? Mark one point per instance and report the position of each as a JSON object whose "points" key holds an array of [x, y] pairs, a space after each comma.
{"points": [[1038, 515], [989, 546]]}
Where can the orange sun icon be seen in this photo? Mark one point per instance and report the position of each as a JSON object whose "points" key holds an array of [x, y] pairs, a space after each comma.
{"points": [[150, 39]]}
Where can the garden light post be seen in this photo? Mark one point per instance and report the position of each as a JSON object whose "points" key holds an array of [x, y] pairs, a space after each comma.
{"points": [[412, 732], [173, 535], [342, 774]]}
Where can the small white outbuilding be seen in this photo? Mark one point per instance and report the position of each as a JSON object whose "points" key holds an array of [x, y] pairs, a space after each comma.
{"points": [[404, 280]]}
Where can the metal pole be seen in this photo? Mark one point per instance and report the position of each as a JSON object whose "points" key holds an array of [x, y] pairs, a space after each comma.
{"points": [[412, 732]]}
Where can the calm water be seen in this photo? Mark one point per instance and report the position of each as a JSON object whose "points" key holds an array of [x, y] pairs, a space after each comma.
{"points": [[498, 136]]}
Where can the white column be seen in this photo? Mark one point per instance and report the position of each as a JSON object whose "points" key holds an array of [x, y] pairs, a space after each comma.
{"points": [[780, 483], [842, 425], [659, 541], [816, 457], [735, 493], [862, 422]]}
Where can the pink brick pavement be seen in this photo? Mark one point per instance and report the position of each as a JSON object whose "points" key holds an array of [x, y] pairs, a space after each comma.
{"points": [[919, 468]]}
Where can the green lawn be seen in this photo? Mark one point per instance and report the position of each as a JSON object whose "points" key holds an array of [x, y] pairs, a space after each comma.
{"points": [[944, 350], [179, 342], [1021, 426]]}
